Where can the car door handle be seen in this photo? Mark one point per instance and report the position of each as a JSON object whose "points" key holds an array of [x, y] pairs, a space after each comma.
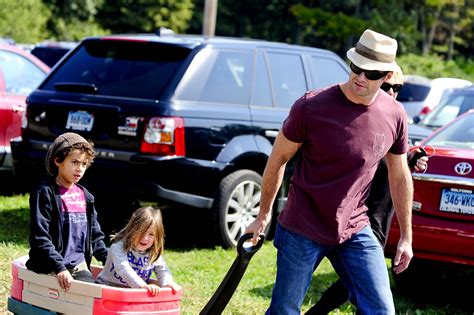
{"points": [[271, 133], [18, 108]]}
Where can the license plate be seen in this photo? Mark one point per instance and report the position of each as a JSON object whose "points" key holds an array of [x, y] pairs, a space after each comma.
{"points": [[457, 200], [80, 120]]}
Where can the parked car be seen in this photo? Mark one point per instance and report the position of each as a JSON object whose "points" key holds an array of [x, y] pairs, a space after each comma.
{"points": [[20, 73], [421, 95], [443, 204], [51, 52], [457, 103], [185, 120]]}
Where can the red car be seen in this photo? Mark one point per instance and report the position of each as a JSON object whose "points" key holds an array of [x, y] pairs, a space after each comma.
{"points": [[20, 73], [443, 202]]}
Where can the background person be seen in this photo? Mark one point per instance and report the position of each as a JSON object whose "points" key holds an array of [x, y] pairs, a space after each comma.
{"points": [[380, 212], [64, 231], [341, 132], [136, 252]]}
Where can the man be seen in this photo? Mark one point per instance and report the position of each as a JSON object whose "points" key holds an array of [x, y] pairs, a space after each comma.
{"points": [[342, 132]]}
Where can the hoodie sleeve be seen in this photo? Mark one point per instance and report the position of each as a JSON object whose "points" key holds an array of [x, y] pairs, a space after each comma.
{"points": [[44, 257]]}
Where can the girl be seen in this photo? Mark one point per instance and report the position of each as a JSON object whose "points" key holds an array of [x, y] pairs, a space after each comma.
{"points": [[136, 252]]}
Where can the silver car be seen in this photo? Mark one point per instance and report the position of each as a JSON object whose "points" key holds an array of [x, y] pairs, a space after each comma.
{"points": [[421, 95]]}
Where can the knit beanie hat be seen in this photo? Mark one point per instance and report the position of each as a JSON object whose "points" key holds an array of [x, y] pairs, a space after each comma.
{"points": [[63, 141]]}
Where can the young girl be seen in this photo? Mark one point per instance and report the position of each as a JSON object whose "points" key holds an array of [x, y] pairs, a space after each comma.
{"points": [[137, 251]]}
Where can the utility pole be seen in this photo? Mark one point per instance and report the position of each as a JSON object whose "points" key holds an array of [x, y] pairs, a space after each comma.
{"points": [[209, 18]]}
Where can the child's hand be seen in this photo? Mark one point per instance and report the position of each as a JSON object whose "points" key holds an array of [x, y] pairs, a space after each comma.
{"points": [[153, 289], [64, 279], [174, 286]]}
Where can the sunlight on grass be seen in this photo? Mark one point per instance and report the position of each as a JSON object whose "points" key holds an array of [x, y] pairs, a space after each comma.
{"points": [[200, 271]]}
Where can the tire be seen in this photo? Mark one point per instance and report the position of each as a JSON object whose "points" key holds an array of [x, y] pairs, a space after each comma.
{"points": [[236, 205]]}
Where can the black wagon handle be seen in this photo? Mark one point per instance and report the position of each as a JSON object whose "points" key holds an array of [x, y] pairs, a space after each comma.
{"points": [[249, 250], [226, 289]]}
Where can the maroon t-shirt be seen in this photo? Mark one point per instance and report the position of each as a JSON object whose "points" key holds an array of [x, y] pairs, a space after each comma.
{"points": [[342, 144]]}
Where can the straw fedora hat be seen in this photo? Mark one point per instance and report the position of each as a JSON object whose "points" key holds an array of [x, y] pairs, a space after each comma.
{"points": [[374, 51]]}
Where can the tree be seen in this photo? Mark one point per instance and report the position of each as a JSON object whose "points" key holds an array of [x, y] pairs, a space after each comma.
{"points": [[138, 16], [73, 19], [23, 20]]}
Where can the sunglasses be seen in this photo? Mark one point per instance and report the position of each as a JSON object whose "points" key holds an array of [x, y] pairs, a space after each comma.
{"points": [[369, 74], [395, 87]]}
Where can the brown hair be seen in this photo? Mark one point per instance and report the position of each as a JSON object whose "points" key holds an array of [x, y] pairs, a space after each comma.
{"points": [[142, 219], [62, 146]]}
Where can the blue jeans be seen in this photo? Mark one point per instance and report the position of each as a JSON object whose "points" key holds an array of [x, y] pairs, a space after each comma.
{"points": [[359, 262]]}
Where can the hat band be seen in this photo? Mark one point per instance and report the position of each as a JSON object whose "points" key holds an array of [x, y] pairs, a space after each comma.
{"points": [[373, 55]]}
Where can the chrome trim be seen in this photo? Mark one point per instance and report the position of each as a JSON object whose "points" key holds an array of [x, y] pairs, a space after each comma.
{"points": [[185, 198], [444, 179]]}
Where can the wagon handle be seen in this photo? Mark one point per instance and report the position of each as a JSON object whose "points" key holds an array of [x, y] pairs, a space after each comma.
{"points": [[226, 289]]}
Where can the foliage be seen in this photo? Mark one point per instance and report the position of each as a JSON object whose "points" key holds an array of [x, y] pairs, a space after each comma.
{"points": [[433, 66], [73, 20], [17, 22], [138, 16]]}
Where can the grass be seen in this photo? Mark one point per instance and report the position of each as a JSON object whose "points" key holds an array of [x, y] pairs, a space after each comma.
{"points": [[200, 266]]}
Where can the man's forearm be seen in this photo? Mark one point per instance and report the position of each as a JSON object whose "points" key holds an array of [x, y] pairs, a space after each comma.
{"points": [[401, 189]]}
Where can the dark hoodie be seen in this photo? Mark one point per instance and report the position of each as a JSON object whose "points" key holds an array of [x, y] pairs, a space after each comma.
{"points": [[46, 224]]}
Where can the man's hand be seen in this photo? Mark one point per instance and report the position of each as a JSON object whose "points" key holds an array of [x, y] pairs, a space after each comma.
{"points": [[256, 227], [403, 256], [64, 279]]}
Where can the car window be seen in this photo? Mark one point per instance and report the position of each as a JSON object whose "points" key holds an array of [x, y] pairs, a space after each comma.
{"points": [[21, 75], [288, 78], [121, 68], [447, 111], [459, 135], [413, 92], [261, 93], [326, 72], [218, 76]]}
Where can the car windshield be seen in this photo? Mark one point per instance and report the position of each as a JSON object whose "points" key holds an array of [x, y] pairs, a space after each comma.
{"points": [[413, 92], [119, 68], [458, 135], [454, 106]]}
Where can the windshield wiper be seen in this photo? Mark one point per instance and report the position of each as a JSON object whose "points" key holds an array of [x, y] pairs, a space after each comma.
{"points": [[76, 87]]}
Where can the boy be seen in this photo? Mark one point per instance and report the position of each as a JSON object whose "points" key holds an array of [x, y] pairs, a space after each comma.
{"points": [[64, 232]]}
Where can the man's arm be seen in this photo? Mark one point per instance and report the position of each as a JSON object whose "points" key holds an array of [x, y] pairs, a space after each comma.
{"points": [[401, 190], [283, 150]]}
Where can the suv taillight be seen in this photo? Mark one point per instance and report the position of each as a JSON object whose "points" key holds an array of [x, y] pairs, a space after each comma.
{"points": [[425, 110], [164, 136]]}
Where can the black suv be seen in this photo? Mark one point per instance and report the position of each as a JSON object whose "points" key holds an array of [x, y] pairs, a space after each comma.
{"points": [[178, 119]]}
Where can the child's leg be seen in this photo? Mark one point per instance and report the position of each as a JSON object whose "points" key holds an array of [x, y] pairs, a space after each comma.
{"points": [[82, 273]]}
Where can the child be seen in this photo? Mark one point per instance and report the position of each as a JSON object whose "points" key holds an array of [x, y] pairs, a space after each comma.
{"points": [[64, 232], [137, 251]]}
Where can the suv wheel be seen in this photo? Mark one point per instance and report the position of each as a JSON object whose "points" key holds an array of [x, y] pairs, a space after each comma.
{"points": [[236, 205]]}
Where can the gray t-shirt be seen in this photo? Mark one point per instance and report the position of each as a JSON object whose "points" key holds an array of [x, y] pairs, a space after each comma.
{"points": [[132, 269], [342, 145]]}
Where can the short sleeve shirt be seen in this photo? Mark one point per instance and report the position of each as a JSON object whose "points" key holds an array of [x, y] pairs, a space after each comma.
{"points": [[342, 145]]}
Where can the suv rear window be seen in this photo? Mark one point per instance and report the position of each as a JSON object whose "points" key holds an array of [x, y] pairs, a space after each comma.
{"points": [[120, 68], [413, 92]]}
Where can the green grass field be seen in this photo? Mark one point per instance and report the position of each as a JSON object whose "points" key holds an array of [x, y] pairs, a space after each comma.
{"points": [[201, 268]]}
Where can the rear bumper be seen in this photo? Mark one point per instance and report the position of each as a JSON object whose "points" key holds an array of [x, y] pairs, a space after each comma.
{"points": [[150, 178], [437, 239]]}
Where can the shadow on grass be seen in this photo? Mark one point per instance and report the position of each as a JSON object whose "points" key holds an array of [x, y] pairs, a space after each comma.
{"points": [[447, 290], [319, 284]]}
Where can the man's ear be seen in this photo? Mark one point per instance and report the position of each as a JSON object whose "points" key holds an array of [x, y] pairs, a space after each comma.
{"points": [[388, 76]]}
